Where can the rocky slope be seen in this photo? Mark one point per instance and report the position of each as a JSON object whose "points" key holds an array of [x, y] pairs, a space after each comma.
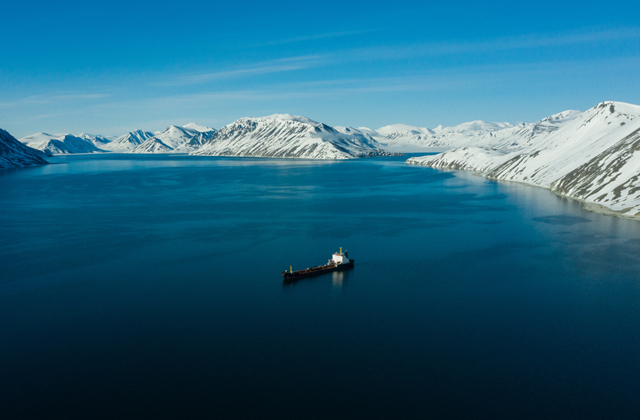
{"points": [[15, 154], [591, 156], [287, 136]]}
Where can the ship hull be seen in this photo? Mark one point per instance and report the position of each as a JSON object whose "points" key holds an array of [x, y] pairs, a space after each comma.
{"points": [[315, 271]]}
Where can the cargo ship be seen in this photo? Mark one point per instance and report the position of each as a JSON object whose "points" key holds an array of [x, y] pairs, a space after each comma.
{"points": [[339, 261]]}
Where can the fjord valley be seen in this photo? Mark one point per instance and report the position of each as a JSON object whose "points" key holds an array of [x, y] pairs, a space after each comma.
{"points": [[588, 156]]}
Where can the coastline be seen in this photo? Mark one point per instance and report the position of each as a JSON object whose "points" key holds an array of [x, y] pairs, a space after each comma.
{"points": [[589, 206], [599, 208]]}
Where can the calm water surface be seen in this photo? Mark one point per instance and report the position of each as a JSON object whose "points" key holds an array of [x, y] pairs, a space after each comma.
{"points": [[149, 287]]}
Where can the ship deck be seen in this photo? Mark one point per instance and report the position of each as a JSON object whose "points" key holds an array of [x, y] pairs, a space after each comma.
{"points": [[315, 271]]}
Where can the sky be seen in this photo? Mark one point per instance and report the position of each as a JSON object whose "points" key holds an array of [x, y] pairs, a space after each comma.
{"points": [[111, 67]]}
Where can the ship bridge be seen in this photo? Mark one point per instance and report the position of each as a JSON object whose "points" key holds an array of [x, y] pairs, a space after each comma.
{"points": [[341, 258]]}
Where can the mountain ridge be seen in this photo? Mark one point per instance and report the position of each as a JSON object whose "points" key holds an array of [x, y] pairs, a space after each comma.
{"points": [[286, 136], [62, 143]]}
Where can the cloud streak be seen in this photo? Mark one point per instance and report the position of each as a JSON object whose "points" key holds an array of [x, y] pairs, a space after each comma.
{"points": [[524, 42], [316, 37], [56, 115], [52, 98], [275, 66], [402, 52], [465, 78]]}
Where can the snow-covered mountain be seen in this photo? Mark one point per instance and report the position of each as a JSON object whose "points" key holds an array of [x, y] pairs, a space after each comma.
{"points": [[128, 142], [14, 154], [364, 132], [199, 128], [368, 132], [592, 156], [98, 141], [200, 139], [57, 144], [524, 134], [402, 137], [153, 145], [176, 139], [287, 136], [407, 138]]}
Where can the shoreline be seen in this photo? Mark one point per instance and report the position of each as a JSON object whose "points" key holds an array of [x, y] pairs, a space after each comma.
{"points": [[588, 206]]}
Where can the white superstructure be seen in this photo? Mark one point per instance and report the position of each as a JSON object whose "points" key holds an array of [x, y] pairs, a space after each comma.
{"points": [[340, 258]]}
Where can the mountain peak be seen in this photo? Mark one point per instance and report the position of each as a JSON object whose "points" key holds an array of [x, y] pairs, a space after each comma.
{"points": [[395, 128], [617, 107], [289, 117], [195, 127]]}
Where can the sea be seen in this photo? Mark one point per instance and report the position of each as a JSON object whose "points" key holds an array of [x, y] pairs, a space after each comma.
{"points": [[150, 286]]}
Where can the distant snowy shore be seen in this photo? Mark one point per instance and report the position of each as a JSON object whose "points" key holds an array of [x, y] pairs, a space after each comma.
{"points": [[591, 156]]}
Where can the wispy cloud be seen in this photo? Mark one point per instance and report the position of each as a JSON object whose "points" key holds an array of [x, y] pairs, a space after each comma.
{"points": [[274, 66], [402, 52], [316, 37], [319, 89], [523, 42], [58, 114], [465, 78], [52, 98], [79, 96]]}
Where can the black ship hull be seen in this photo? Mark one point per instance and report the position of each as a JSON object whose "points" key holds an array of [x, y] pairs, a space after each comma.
{"points": [[315, 271]]}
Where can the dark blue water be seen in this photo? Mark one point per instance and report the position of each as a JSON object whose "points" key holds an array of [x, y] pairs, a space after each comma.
{"points": [[149, 287]]}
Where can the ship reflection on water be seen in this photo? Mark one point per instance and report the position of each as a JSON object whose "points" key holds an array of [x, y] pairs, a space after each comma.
{"points": [[338, 279]]}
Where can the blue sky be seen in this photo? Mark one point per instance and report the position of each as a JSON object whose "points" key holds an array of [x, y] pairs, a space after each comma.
{"points": [[110, 67]]}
